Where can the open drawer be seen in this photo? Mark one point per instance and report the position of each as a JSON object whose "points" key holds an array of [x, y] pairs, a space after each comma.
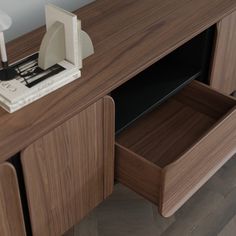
{"points": [[170, 152]]}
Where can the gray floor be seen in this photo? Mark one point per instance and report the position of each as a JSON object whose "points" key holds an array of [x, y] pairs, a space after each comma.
{"points": [[211, 211]]}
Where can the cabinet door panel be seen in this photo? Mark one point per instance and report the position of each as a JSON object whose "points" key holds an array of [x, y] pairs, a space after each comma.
{"points": [[223, 76], [69, 171], [11, 217]]}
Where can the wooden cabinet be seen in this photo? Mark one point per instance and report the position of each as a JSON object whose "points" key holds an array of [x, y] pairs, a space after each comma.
{"points": [[170, 152], [11, 217], [223, 75], [69, 171], [166, 155]]}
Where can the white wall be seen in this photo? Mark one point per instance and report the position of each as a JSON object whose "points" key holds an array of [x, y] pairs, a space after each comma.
{"points": [[29, 14]]}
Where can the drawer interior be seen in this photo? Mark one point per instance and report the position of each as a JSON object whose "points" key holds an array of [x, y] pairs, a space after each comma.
{"points": [[162, 135]]}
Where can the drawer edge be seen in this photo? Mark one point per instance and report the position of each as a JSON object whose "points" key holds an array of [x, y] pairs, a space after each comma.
{"points": [[137, 173], [191, 171]]}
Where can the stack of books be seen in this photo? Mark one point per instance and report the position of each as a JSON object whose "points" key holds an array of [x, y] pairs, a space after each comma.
{"points": [[31, 82]]}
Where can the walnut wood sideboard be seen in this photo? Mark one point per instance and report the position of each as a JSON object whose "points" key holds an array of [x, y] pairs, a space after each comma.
{"points": [[153, 109]]}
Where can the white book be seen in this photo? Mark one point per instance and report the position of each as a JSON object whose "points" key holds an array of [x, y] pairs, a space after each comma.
{"points": [[12, 107], [31, 83], [17, 89]]}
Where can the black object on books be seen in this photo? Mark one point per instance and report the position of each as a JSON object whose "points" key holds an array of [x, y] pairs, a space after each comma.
{"points": [[7, 73]]}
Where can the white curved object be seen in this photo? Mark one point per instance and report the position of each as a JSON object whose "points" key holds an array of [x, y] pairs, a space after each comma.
{"points": [[52, 49], [64, 39], [5, 21], [87, 45]]}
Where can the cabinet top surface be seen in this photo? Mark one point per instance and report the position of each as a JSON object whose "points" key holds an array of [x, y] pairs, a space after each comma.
{"points": [[128, 37]]}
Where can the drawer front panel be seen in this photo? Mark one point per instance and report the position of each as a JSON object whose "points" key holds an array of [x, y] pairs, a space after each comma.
{"points": [[68, 172], [184, 177]]}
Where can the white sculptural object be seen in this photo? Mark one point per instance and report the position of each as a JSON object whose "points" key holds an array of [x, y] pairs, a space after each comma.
{"points": [[5, 23], [64, 39]]}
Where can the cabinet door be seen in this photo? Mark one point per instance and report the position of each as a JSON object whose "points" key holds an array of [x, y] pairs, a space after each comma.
{"points": [[11, 217], [69, 171], [223, 76]]}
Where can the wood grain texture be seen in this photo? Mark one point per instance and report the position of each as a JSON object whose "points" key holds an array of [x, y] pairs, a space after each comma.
{"points": [[109, 144], [67, 172], [165, 133], [184, 177], [128, 37], [204, 99], [188, 138], [210, 212], [11, 217], [223, 74], [137, 173]]}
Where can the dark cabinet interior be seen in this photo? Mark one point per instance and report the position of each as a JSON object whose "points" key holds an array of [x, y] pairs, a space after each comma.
{"points": [[163, 79]]}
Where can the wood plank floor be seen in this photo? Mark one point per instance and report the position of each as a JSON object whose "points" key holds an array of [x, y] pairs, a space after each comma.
{"points": [[210, 212]]}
